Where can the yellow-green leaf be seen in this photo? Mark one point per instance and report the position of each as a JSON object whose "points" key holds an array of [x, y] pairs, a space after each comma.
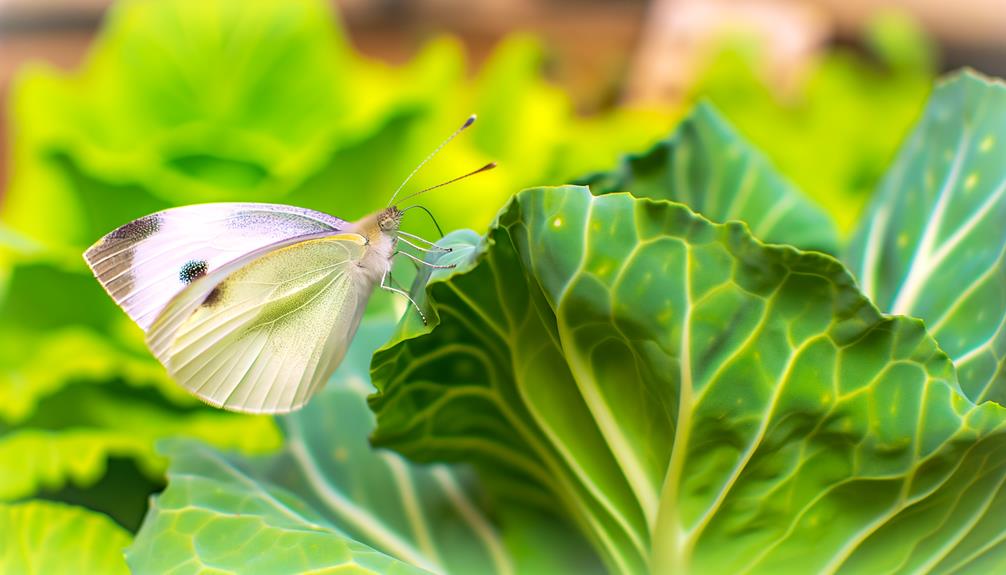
{"points": [[695, 400], [46, 538], [933, 243], [707, 166]]}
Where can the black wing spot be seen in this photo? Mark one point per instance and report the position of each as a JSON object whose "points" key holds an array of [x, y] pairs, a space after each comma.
{"points": [[212, 298], [137, 230], [192, 270]]}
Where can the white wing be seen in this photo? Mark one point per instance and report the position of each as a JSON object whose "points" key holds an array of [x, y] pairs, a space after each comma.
{"points": [[146, 262], [262, 334]]}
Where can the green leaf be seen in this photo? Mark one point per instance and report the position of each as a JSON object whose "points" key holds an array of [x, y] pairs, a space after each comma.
{"points": [[31, 460], [33, 367], [77, 387], [696, 400], [214, 516], [70, 400], [707, 166], [933, 244], [178, 104], [45, 538], [833, 127], [83, 426], [327, 499], [900, 43], [265, 101], [50, 340]]}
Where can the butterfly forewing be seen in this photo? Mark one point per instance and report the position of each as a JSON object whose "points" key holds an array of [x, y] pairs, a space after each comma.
{"points": [[145, 263], [263, 333]]}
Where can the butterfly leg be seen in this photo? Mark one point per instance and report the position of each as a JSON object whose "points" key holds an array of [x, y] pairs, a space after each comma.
{"points": [[423, 262], [393, 289], [434, 249], [430, 246]]}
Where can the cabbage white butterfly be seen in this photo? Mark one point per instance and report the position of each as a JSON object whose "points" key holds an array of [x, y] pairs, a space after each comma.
{"points": [[249, 306]]}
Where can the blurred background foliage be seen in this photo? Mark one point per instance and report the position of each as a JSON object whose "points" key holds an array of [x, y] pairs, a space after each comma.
{"points": [[220, 100], [836, 131]]}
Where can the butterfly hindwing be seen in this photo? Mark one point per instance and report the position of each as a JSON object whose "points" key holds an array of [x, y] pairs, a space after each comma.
{"points": [[263, 333], [146, 262]]}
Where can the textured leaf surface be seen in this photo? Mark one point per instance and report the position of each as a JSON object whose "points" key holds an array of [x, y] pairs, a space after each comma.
{"points": [[77, 387], [214, 516], [45, 538], [86, 426], [933, 244], [31, 460], [327, 502], [696, 400], [33, 366], [707, 166]]}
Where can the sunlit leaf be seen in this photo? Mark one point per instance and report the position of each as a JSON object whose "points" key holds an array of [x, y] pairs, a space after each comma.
{"points": [[32, 460], [326, 499], [78, 387], [215, 516], [34, 366], [180, 103], [696, 400], [41, 537], [933, 245], [76, 399], [231, 100], [833, 126], [708, 167], [82, 427]]}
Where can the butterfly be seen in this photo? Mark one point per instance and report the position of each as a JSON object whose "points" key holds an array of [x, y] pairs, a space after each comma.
{"points": [[252, 306]]}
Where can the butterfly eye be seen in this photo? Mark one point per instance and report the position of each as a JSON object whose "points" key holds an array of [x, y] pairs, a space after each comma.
{"points": [[389, 219]]}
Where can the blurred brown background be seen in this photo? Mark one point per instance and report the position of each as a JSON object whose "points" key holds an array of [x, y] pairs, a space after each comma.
{"points": [[604, 51]]}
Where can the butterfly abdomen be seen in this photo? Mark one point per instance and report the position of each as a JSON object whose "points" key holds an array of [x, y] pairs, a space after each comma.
{"points": [[376, 260]]}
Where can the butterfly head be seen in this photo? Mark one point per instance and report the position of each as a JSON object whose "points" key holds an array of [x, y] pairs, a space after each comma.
{"points": [[389, 219]]}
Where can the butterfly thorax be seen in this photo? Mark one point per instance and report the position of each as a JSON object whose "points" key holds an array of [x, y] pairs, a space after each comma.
{"points": [[381, 232]]}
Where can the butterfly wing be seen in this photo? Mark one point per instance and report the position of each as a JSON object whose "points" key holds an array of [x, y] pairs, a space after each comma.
{"points": [[146, 262], [263, 333]]}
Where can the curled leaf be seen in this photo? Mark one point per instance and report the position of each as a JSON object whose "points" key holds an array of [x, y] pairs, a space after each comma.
{"points": [[46, 537], [696, 400], [933, 244]]}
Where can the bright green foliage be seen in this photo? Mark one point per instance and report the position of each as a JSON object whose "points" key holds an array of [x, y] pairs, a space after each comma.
{"points": [[32, 459], [70, 399], [833, 127], [176, 104], [45, 538], [85, 425], [265, 101], [698, 401], [708, 167], [327, 500], [182, 102], [638, 388], [933, 244], [214, 517], [36, 366]]}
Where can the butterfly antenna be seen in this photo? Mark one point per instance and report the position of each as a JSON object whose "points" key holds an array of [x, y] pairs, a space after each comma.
{"points": [[484, 168], [429, 213], [468, 122]]}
